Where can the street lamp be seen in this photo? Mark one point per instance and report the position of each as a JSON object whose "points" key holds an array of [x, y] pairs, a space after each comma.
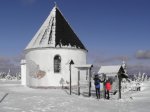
{"points": [[70, 63]]}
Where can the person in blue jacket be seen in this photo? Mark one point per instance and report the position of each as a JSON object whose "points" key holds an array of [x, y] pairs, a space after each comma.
{"points": [[97, 86]]}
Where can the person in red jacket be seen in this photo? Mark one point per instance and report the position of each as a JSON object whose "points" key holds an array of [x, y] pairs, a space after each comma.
{"points": [[108, 88]]}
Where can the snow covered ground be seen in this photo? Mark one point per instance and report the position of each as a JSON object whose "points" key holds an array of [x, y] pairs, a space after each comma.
{"points": [[16, 98]]}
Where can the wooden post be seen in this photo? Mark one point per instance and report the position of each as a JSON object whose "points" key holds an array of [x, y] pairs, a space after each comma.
{"points": [[70, 77], [78, 82], [89, 72], [119, 86], [104, 78]]}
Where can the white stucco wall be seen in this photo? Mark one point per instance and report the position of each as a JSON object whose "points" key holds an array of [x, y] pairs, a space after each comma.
{"points": [[43, 59]]}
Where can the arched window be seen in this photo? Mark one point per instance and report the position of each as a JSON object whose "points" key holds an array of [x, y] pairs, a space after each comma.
{"points": [[57, 64]]}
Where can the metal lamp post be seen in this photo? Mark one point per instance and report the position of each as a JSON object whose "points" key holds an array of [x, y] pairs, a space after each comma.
{"points": [[70, 63]]}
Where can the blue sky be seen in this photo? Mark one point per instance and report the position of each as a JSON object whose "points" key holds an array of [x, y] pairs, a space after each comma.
{"points": [[110, 29]]}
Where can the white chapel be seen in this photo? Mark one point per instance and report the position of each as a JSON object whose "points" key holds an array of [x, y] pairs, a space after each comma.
{"points": [[48, 54]]}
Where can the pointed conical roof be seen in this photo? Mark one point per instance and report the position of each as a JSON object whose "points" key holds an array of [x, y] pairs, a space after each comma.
{"points": [[55, 32]]}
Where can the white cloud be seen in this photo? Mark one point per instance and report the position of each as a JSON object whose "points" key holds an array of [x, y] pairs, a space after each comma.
{"points": [[12, 63], [143, 54]]}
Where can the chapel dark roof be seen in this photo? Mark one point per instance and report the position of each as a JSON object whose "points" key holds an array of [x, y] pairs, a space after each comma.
{"points": [[55, 32]]}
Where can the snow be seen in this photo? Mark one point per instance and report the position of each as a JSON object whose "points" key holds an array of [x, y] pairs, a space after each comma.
{"points": [[24, 99], [109, 70]]}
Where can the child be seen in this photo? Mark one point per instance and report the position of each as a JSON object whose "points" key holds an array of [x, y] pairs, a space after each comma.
{"points": [[108, 88]]}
